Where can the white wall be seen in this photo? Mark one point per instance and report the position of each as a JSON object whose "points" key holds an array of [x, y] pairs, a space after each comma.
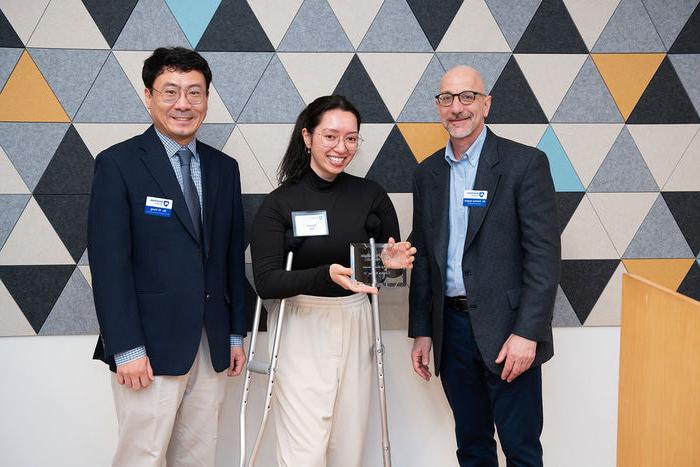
{"points": [[56, 406]]}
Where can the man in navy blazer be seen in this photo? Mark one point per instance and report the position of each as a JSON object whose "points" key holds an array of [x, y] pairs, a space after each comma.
{"points": [[165, 242], [485, 277]]}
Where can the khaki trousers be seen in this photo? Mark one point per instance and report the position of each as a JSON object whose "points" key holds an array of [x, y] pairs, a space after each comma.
{"points": [[172, 422], [324, 380]]}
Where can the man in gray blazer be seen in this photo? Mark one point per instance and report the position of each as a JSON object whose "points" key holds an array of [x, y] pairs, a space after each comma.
{"points": [[485, 277]]}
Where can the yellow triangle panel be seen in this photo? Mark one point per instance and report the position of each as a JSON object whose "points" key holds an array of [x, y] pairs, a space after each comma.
{"points": [[423, 138], [27, 96], [627, 76], [665, 272]]}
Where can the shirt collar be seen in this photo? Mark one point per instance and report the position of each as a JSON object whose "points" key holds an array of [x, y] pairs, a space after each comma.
{"points": [[472, 153], [172, 147]]}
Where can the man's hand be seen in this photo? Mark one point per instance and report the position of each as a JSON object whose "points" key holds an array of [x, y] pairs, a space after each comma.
{"points": [[343, 277], [518, 353], [237, 361], [420, 356], [135, 374], [398, 255]]}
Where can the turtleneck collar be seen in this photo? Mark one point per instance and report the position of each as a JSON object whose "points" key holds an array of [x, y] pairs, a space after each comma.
{"points": [[318, 183]]}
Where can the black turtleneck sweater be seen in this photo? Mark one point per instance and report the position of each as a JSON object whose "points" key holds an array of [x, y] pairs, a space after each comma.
{"points": [[347, 200]]}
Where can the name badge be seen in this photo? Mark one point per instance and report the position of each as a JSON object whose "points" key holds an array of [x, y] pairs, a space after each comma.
{"points": [[310, 223], [160, 207], [475, 198]]}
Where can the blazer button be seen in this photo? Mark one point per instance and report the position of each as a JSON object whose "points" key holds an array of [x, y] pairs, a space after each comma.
{"points": [[207, 297]]}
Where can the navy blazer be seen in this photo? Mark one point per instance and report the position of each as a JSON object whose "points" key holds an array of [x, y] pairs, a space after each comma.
{"points": [[511, 256], [153, 283]]}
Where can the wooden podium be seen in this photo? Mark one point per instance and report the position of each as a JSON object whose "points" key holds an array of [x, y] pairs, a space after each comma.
{"points": [[659, 396]]}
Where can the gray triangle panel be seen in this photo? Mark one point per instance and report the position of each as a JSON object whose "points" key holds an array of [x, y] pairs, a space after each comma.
{"points": [[12, 208], [564, 314], [358, 87], [420, 107], [513, 17], [629, 30], [435, 21], [512, 98], [623, 169], [215, 134], [687, 67], [151, 25], [669, 17], [8, 60], [395, 29], [690, 287], [583, 281], [8, 36], [659, 236], [685, 207], [687, 41], [70, 170], [393, 167], [110, 17], [112, 98], [234, 28], [489, 64], [68, 215], [315, 28], [551, 31], [84, 259], [74, 311]]}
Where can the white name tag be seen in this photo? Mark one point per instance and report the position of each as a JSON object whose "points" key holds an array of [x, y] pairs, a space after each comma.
{"points": [[475, 198], [162, 207], [309, 223]]}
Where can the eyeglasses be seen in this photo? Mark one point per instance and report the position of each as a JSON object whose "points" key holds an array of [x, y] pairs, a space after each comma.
{"points": [[445, 99], [329, 140], [170, 95]]}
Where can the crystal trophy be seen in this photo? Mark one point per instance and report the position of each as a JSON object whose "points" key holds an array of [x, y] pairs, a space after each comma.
{"points": [[361, 265]]}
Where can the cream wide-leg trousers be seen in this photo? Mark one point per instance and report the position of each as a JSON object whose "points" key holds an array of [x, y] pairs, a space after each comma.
{"points": [[324, 380], [174, 420]]}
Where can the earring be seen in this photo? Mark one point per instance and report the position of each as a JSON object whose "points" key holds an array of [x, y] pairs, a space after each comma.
{"points": [[308, 151]]}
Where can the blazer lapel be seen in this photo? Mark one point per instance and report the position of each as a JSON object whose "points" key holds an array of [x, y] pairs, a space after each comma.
{"points": [[210, 190], [156, 160], [487, 176], [440, 211]]}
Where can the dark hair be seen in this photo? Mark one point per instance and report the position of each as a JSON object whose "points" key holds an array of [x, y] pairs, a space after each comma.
{"points": [[173, 59], [295, 162]]}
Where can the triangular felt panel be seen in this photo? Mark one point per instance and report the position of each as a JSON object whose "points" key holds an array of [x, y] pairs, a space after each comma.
{"points": [[669, 17], [395, 88], [8, 36], [587, 100], [403, 202], [110, 17], [234, 28], [434, 21], [68, 216], [216, 110], [99, 136], [275, 17], [659, 236], [36, 301], [193, 18], [357, 86], [590, 21], [67, 25], [395, 29], [551, 31], [563, 173], [685, 206], [215, 134], [281, 106], [629, 30], [424, 138], [27, 96], [70, 73], [139, 32], [489, 64], [550, 76], [34, 241], [268, 143], [84, 259], [374, 136], [627, 75], [623, 169], [585, 237], [85, 271], [356, 16], [131, 62], [10, 180], [567, 203], [30, 147], [253, 177], [685, 174], [23, 16], [8, 60], [687, 67], [690, 286], [12, 208], [513, 100], [564, 315], [484, 34], [528, 134], [12, 320], [622, 214], [328, 69], [421, 105], [583, 282], [70, 170], [586, 145], [667, 273], [687, 40], [394, 165], [315, 29], [112, 98], [247, 67], [513, 17], [74, 311], [662, 146], [251, 204], [607, 310]]}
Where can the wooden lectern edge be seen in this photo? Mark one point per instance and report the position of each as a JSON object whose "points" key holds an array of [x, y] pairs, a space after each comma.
{"points": [[658, 286]]}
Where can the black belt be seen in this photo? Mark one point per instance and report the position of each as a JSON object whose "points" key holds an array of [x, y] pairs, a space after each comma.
{"points": [[458, 303]]}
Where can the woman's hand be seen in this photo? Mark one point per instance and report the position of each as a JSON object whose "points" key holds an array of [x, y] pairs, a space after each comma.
{"points": [[398, 255], [343, 277]]}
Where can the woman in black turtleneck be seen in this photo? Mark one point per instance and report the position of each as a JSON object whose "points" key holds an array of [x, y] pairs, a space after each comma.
{"points": [[325, 364]]}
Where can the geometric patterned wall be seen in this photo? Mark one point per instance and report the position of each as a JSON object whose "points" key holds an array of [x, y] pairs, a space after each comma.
{"points": [[611, 93]]}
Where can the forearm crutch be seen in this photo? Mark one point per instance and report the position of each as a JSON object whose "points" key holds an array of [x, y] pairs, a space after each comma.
{"points": [[264, 368], [379, 359]]}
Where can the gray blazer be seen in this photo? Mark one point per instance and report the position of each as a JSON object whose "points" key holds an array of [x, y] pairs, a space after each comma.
{"points": [[511, 256]]}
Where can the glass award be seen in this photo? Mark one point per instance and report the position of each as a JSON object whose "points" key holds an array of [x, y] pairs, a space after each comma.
{"points": [[361, 265]]}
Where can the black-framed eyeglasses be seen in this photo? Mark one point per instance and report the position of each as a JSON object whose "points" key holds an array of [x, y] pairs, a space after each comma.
{"points": [[445, 99], [329, 140], [171, 94]]}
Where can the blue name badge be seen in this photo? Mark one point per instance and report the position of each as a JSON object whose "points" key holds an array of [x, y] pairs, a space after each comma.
{"points": [[160, 207], [475, 198]]}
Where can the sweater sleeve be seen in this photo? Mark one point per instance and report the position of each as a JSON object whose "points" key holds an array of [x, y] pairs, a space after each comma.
{"points": [[384, 209]]}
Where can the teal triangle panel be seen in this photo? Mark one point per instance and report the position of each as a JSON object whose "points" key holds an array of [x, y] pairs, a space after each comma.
{"points": [[563, 173]]}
